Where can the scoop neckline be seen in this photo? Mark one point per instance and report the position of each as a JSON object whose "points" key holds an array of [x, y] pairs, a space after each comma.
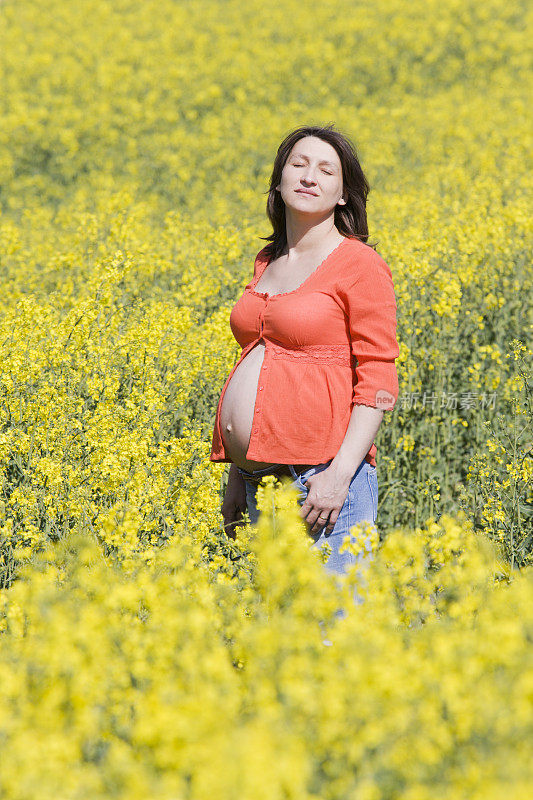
{"points": [[292, 291]]}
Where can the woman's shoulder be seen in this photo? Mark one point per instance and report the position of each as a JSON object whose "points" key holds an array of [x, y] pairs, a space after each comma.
{"points": [[363, 251], [362, 261]]}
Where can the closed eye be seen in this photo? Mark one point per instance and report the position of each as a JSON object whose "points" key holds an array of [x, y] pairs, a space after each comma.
{"points": [[324, 170]]}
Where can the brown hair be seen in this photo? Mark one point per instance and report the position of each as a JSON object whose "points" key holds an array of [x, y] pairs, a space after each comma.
{"points": [[350, 219]]}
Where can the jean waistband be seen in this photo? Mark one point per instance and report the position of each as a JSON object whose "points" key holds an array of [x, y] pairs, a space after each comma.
{"points": [[291, 470]]}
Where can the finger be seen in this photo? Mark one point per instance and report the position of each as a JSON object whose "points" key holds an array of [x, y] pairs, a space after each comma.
{"points": [[238, 519], [311, 513], [305, 508], [233, 515], [230, 522], [230, 531], [333, 517], [319, 520], [315, 514], [308, 519]]}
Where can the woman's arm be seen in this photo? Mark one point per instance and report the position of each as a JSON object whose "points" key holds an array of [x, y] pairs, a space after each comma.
{"points": [[360, 434], [234, 503]]}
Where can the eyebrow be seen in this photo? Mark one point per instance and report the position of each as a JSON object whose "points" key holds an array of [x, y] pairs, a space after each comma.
{"points": [[299, 155]]}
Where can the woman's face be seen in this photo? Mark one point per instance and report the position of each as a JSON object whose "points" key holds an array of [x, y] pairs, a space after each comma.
{"points": [[311, 180]]}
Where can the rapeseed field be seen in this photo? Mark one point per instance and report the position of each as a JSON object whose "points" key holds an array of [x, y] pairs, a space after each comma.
{"points": [[144, 654]]}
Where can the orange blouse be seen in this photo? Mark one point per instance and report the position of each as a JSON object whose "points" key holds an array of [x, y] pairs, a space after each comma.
{"points": [[308, 383]]}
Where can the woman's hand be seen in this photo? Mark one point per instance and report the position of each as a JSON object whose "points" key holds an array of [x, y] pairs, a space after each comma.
{"points": [[327, 492], [234, 503]]}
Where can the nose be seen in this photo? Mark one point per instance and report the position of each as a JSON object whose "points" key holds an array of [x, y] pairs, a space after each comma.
{"points": [[309, 177]]}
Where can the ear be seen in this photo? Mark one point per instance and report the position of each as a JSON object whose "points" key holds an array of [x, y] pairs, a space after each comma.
{"points": [[341, 202]]}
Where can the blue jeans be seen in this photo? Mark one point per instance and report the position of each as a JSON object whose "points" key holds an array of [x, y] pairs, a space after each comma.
{"points": [[361, 504]]}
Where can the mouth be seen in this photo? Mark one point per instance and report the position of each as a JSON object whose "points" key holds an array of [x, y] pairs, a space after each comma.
{"points": [[305, 191]]}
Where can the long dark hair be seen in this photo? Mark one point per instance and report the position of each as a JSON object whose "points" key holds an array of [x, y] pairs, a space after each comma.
{"points": [[350, 219]]}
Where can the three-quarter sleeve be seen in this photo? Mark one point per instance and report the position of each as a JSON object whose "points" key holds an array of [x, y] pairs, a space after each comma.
{"points": [[370, 305]]}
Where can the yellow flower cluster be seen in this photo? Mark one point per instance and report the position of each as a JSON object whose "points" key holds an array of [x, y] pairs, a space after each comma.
{"points": [[173, 680]]}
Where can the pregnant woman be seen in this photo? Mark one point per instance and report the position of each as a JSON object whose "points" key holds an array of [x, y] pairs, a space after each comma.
{"points": [[296, 404]]}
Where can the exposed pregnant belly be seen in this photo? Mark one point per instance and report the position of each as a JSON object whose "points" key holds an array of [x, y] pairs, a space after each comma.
{"points": [[237, 410]]}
